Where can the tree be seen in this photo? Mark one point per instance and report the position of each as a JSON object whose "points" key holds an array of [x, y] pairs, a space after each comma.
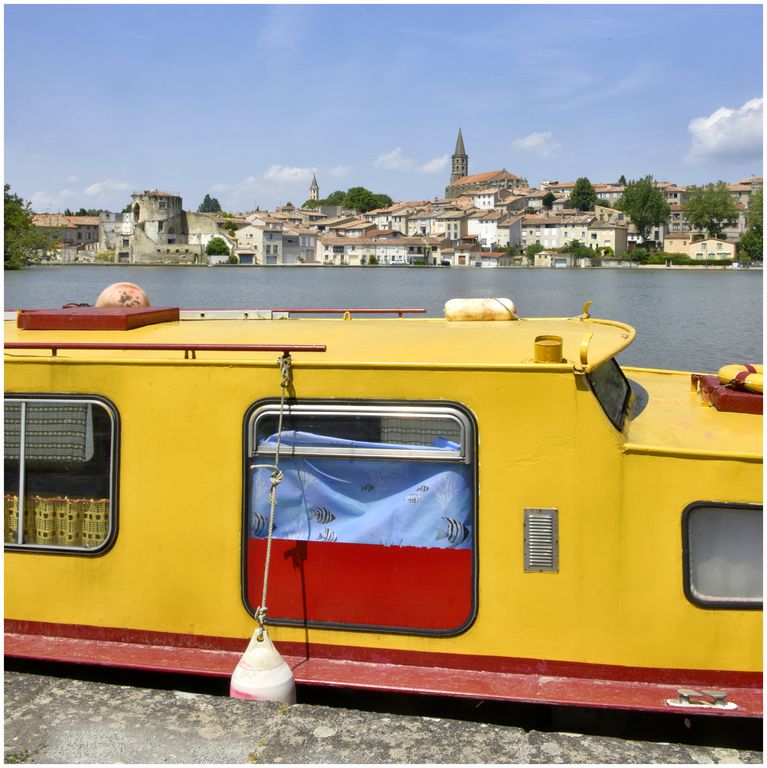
{"points": [[622, 181], [359, 199], [644, 204], [583, 197], [532, 249], [24, 243], [711, 208], [209, 205], [577, 249], [337, 198], [751, 245], [217, 247], [756, 209], [382, 201], [548, 199]]}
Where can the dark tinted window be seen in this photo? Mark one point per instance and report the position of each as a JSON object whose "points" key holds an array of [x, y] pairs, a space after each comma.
{"points": [[612, 390]]}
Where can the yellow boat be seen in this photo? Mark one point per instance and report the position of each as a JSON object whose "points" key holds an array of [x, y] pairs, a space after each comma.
{"points": [[489, 509]]}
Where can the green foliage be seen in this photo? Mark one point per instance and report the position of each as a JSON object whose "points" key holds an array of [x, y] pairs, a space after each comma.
{"points": [[230, 227], [24, 243], [232, 259], [128, 208], [644, 204], [603, 203], [548, 199], [209, 205], [622, 181], [356, 198], [577, 249], [337, 198], [532, 249], [373, 260], [711, 208], [217, 247], [756, 209], [751, 246], [583, 197], [363, 200]]}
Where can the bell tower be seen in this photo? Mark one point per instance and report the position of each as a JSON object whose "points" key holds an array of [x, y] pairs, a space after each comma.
{"points": [[314, 189], [460, 166]]}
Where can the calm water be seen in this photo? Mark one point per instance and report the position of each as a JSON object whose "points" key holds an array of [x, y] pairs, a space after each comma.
{"points": [[685, 320]]}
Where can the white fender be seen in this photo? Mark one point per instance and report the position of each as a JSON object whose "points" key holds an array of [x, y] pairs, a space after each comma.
{"points": [[262, 673], [480, 309]]}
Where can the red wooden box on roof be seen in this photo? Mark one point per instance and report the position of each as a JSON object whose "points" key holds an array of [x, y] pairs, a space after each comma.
{"points": [[94, 318]]}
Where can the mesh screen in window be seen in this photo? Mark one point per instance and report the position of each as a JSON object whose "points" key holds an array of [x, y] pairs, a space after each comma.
{"points": [[59, 457]]}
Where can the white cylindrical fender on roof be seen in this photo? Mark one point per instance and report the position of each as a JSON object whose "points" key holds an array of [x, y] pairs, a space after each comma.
{"points": [[480, 309]]}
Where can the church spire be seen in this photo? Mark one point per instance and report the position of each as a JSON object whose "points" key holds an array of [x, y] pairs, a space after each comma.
{"points": [[460, 167], [314, 189], [459, 149]]}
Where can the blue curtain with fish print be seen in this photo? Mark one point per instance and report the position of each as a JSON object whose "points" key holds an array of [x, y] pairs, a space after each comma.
{"points": [[365, 501]]}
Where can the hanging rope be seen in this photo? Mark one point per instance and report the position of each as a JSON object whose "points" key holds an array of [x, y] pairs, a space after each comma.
{"points": [[285, 363]]}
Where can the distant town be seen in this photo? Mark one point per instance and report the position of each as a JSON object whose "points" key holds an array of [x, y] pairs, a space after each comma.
{"points": [[487, 219]]}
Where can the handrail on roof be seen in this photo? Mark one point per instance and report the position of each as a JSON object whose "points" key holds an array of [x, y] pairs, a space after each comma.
{"points": [[344, 310], [54, 346]]}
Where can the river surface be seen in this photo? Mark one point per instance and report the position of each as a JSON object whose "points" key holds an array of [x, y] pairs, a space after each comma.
{"points": [[685, 320]]}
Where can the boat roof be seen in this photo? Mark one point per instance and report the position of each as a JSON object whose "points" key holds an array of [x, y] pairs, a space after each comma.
{"points": [[673, 418], [360, 340]]}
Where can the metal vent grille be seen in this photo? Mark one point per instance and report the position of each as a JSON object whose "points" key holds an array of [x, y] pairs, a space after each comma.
{"points": [[541, 540]]}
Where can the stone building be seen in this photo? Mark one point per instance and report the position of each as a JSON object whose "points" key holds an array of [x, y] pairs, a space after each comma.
{"points": [[163, 232]]}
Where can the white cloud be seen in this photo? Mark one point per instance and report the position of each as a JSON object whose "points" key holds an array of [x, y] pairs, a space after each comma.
{"points": [[338, 170], [278, 183], [106, 187], [537, 143], [109, 194], [287, 174], [729, 134], [394, 161], [436, 165]]}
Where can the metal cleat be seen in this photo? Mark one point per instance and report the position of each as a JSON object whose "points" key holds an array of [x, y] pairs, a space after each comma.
{"points": [[692, 698]]}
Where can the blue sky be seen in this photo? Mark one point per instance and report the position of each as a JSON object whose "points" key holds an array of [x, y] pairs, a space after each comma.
{"points": [[245, 102]]}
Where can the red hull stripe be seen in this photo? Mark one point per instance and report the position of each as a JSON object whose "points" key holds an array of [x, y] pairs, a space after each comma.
{"points": [[413, 588], [485, 677]]}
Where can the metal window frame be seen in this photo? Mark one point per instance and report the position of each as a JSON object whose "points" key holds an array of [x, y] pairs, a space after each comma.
{"points": [[747, 604], [371, 407], [114, 460], [463, 455]]}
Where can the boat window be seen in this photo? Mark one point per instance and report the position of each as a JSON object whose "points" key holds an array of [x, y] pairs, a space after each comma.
{"points": [[375, 520], [722, 546], [59, 474], [612, 390]]}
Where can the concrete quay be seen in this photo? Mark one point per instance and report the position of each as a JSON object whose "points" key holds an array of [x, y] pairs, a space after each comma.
{"points": [[58, 720]]}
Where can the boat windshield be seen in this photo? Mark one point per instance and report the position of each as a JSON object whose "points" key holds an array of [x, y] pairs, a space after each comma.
{"points": [[612, 389]]}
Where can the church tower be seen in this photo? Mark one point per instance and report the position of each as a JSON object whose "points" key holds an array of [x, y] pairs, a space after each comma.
{"points": [[314, 190], [460, 160]]}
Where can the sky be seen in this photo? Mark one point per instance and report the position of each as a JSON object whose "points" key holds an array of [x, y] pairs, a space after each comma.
{"points": [[247, 102]]}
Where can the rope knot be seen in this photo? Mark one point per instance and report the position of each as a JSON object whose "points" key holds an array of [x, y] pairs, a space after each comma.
{"points": [[276, 477], [285, 362]]}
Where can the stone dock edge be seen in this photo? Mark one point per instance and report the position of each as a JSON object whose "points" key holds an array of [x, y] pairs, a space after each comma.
{"points": [[57, 720]]}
